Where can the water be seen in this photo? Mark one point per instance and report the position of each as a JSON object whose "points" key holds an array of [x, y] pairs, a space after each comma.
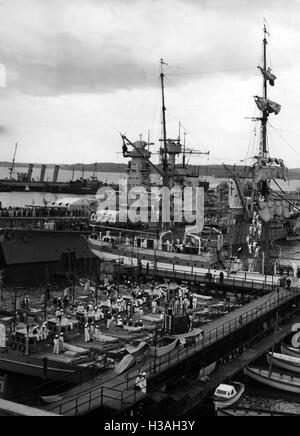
{"points": [[22, 199], [290, 253]]}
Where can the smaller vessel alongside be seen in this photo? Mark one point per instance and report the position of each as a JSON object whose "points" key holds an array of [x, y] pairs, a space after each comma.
{"points": [[290, 351], [274, 379], [284, 361], [228, 395], [243, 411]]}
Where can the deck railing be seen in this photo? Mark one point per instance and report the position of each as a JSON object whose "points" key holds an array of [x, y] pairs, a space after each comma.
{"points": [[269, 283]]}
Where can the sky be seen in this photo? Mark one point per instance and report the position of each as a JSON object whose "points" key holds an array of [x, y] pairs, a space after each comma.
{"points": [[76, 73]]}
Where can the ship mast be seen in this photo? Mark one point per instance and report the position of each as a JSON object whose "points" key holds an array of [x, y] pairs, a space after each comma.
{"points": [[264, 120], [165, 151], [11, 170]]}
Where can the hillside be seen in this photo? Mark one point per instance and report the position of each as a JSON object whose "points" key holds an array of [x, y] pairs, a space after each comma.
{"points": [[111, 167]]}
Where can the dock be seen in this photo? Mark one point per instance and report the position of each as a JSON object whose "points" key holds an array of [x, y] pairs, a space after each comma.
{"points": [[8, 408], [242, 282], [117, 393]]}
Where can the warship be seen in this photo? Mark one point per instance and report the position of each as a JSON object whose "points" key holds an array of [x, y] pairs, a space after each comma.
{"points": [[255, 217], [24, 181], [37, 240]]}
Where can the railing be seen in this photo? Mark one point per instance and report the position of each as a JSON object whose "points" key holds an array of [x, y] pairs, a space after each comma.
{"points": [[266, 284], [101, 395], [78, 377]]}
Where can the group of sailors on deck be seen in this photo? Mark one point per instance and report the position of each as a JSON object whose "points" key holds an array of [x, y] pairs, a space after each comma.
{"points": [[39, 212], [254, 236]]}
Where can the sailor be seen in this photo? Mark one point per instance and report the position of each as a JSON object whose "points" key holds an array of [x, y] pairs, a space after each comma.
{"points": [[59, 315], [56, 345], [102, 316], [92, 331], [66, 302], [97, 314], [55, 302], [288, 283], [120, 322], [27, 303], [59, 303], [35, 333], [154, 306], [141, 382], [61, 343], [44, 331], [87, 337], [108, 319], [169, 245]]}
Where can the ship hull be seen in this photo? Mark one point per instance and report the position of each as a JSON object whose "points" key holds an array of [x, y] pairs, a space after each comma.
{"points": [[32, 366], [25, 247]]}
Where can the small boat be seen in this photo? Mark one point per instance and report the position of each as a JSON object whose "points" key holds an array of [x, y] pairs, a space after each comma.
{"points": [[228, 395], [51, 399], [277, 380], [126, 362], [244, 411], [284, 361], [290, 351], [138, 351], [164, 346]]}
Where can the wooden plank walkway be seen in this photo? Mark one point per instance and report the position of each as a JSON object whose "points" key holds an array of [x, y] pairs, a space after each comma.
{"points": [[117, 391]]}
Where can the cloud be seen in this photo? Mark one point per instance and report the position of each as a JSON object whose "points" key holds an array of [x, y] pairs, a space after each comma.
{"points": [[4, 130], [100, 47]]}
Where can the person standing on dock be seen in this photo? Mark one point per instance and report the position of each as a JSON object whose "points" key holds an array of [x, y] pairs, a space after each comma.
{"points": [[56, 345], [27, 303], [221, 278], [108, 319], [87, 337], [141, 382], [61, 343], [288, 283]]}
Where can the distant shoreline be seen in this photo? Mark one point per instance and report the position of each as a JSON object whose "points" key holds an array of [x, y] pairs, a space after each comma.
{"points": [[110, 167]]}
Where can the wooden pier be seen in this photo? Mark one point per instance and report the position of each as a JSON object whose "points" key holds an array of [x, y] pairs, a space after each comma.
{"points": [[116, 392]]}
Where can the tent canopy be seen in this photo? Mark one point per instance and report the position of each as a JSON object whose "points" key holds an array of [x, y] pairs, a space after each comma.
{"points": [[72, 203]]}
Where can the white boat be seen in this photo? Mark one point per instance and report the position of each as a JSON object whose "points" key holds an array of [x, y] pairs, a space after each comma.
{"points": [[51, 399], [165, 346], [228, 395], [250, 412], [290, 351], [274, 379], [284, 361]]}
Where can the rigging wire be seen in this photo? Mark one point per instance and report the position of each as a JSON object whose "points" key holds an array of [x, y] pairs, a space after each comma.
{"points": [[199, 73], [154, 84], [279, 134]]}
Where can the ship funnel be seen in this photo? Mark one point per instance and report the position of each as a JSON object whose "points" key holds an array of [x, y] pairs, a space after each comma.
{"points": [[55, 174], [43, 171], [30, 171]]}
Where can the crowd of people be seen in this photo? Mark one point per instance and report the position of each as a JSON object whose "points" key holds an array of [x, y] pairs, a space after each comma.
{"points": [[40, 212]]}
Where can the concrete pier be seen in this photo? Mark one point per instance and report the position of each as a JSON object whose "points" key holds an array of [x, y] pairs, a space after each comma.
{"points": [[8, 408]]}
